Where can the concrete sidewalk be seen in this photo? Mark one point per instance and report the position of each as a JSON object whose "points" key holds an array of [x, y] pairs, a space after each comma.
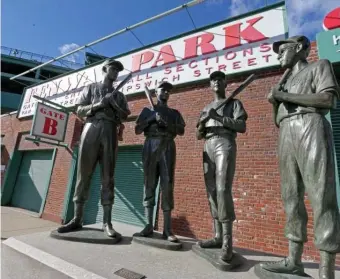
{"points": [[82, 260], [16, 221]]}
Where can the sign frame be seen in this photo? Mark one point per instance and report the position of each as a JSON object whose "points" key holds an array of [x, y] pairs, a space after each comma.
{"points": [[34, 123], [327, 49], [281, 6]]}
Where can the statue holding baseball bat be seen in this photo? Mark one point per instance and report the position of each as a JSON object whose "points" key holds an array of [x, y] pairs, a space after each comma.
{"points": [[218, 125], [160, 124], [105, 108], [305, 94]]}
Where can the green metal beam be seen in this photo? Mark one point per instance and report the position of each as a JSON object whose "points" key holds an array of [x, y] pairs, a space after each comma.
{"points": [[32, 80], [38, 140], [10, 100], [31, 64]]}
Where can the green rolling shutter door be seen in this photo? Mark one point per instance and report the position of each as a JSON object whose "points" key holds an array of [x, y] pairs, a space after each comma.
{"points": [[128, 203], [32, 180]]}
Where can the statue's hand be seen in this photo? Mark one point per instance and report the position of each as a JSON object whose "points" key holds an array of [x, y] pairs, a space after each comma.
{"points": [[160, 120], [201, 127], [271, 99], [213, 114], [105, 101], [114, 104], [275, 95]]}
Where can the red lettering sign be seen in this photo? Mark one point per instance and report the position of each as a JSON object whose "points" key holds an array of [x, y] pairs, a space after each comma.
{"points": [[265, 47], [190, 64], [179, 68], [204, 42], [50, 126], [233, 33], [252, 62], [141, 58], [222, 67], [53, 114], [192, 45], [167, 70], [166, 55]]}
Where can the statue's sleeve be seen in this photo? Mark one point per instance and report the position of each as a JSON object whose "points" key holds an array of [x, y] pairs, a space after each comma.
{"points": [[123, 104], [85, 96], [202, 113], [180, 123], [84, 102], [142, 116], [141, 121], [325, 80], [239, 117]]}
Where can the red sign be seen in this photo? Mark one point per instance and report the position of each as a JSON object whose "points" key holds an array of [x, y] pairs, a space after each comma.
{"points": [[49, 123], [332, 19]]}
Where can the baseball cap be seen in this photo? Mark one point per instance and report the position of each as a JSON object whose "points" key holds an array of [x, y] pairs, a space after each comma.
{"points": [[113, 62], [217, 74], [165, 85], [295, 39]]}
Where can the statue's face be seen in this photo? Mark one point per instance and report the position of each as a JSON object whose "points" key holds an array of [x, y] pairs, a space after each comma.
{"points": [[111, 72], [287, 55], [162, 94], [218, 84]]}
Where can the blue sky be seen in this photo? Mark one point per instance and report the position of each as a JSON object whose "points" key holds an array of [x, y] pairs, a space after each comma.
{"points": [[53, 27]]}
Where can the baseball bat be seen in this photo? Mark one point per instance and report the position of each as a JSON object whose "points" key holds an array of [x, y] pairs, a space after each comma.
{"points": [[238, 90], [282, 80], [148, 95]]}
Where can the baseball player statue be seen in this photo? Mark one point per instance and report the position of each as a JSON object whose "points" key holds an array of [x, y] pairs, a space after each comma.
{"points": [[306, 158], [104, 109], [219, 161], [160, 125]]}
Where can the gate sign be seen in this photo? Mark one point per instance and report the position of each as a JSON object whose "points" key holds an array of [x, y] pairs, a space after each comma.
{"points": [[49, 123]]}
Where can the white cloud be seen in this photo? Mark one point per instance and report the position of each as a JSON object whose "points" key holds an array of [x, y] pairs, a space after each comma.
{"points": [[238, 7], [306, 16], [66, 48], [214, 2]]}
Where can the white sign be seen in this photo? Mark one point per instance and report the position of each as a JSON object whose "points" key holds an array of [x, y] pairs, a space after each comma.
{"points": [[241, 45], [49, 123]]}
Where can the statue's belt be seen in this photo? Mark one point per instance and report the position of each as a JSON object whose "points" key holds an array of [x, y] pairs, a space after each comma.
{"points": [[159, 135], [219, 132]]}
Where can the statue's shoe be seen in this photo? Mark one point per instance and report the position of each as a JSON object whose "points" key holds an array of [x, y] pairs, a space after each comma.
{"points": [[227, 249], [170, 237], [147, 231], [210, 243], [109, 230], [285, 266], [70, 226]]}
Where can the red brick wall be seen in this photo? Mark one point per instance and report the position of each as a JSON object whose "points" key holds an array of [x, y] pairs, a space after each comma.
{"points": [[15, 130], [256, 190], [260, 216]]}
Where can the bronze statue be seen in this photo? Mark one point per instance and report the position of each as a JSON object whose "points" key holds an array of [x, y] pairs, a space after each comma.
{"points": [[105, 109], [160, 124], [306, 159], [219, 161]]}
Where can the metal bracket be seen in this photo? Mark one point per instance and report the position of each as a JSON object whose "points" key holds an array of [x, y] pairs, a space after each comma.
{"points": [[38, 140], [65, 109]]}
